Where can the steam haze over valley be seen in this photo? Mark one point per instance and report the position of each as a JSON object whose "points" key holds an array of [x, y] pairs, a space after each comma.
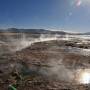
{"points": [[44, 54], [45, 45]]}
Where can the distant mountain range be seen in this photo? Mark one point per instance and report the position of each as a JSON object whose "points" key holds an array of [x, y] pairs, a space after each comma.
{"points": [[39, 31], [33, 31]]}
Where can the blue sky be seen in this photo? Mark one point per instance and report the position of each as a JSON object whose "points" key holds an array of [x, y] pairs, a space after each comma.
{"points": [[69, 15]]}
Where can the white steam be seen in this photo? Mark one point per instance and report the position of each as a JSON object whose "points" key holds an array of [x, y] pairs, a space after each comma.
{"points": [[58, 71], [23, 42]]}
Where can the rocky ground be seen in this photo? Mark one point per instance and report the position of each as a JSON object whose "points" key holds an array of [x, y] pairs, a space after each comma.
{"points": [[45, 65]]}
